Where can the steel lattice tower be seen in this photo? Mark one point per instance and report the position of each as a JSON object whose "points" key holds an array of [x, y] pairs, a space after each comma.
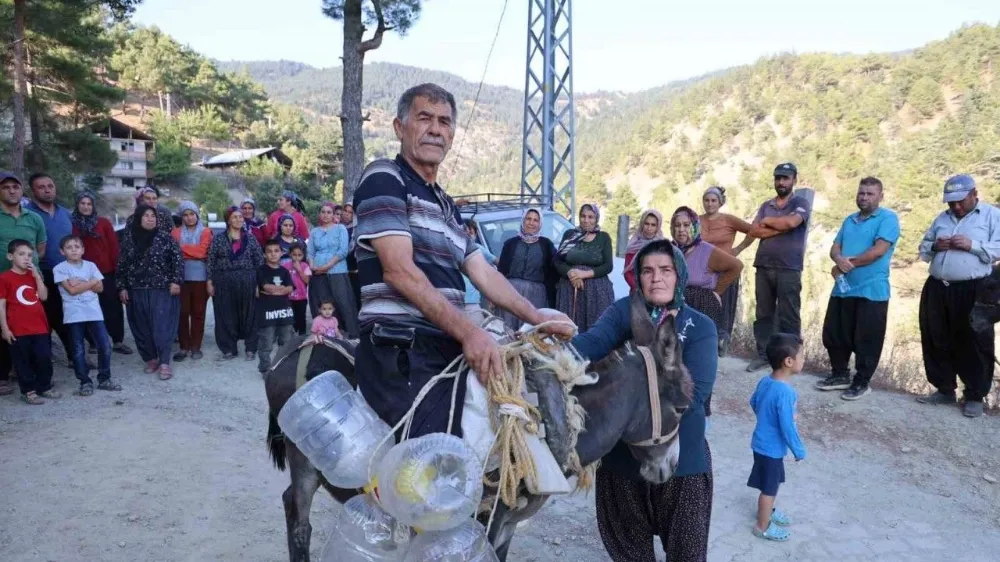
{"points": [[548, 174]]}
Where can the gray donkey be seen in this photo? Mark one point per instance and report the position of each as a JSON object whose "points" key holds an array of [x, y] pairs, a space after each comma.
{"points": [[618, 408]]}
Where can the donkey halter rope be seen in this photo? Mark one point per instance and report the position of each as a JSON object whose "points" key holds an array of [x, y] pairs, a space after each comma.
{"points": [[657, 437]]}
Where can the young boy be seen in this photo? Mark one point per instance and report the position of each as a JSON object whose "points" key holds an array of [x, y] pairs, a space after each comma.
{"points": [[79, 283], [774, 404], [24, 326], [275, 315]]}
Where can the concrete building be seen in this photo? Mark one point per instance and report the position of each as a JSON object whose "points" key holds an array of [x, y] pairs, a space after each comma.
{"points": [[136, 151]]}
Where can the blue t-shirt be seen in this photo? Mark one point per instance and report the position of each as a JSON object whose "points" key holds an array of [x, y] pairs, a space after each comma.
{"points": [[699, 338], [774, 403], [855, 237], [57, 226]]}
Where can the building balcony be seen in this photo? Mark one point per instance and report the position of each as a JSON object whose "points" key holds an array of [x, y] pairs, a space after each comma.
{"points": [[135, 156], [117, 172]]}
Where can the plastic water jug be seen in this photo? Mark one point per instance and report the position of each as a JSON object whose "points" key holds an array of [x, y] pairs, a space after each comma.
{"points": [[335, 429], [364, 532], [465, 543], [434, 482]]}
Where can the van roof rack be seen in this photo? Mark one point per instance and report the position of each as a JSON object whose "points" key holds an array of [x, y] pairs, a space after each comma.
{"points": [[482, 202]]}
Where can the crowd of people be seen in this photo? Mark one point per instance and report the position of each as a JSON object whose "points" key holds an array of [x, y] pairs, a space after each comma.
{"points": [[68, 271], [404, 277]]}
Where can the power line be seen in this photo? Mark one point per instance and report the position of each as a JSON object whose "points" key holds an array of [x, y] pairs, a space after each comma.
{"points": [[475, 101]]}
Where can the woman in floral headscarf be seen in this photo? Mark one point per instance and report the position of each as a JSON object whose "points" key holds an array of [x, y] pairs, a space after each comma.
{"points": [[710, 270], [527, 262], [101, 246], [584, 260], [233, 259], [650, 229], [632, 513]]}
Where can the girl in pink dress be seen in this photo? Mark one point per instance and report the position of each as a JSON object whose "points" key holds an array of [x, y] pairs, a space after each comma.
{"points": [[301, 273], [326, 323]]}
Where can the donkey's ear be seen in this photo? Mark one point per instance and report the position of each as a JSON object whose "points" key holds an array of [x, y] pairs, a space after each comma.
{"points": [[643, 330], [666, 347]]}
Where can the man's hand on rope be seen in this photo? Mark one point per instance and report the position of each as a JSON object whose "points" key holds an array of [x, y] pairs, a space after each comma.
{"points": [[561, 326], [483, 354]]}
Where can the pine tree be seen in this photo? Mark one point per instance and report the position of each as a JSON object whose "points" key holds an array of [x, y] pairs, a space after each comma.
{"points": [[386, 15]]}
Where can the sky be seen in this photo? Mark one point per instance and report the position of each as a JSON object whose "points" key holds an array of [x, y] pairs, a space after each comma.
{"points": [[628, 45]]}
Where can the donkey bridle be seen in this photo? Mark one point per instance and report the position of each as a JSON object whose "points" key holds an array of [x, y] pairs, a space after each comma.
{"points": [[657, 438]]}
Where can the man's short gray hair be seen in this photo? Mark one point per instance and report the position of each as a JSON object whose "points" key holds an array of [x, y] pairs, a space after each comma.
{"points": [[433, 93]]}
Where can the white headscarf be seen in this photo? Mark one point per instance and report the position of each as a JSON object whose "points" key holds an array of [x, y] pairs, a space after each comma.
{"points": [[527, 236]]}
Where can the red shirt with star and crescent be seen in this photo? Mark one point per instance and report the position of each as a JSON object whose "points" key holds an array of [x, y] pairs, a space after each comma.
{"points": [[25, 312]]}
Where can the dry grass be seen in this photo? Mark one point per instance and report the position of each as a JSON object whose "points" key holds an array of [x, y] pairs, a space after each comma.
{"points": [[901, 367]]}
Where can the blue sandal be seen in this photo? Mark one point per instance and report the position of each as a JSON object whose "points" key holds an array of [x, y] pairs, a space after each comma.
{"points": [[772, 533], [779, 517]]}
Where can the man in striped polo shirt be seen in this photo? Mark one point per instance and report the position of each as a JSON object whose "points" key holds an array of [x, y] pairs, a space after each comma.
{"points": [[412, 251]]}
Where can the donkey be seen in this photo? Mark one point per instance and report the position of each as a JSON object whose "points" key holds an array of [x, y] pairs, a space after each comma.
{"points": [[619, 408]]}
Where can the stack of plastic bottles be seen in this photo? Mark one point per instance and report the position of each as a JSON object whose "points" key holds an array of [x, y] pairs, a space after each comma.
{"points": [[465, 543], [335, 429], [433, 482], [364, 532]]}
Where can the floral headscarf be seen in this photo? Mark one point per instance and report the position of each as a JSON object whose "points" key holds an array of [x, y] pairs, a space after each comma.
{"points": [[281, 222], [656, 313], [695, 228], [639, 239], [87, 224], [718, 191], [573, 237], [531, 237]]}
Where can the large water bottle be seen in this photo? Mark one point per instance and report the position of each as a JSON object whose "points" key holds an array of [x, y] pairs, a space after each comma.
{"points": [[465, 543], [434, 482], [364, 532], [335, 429]]}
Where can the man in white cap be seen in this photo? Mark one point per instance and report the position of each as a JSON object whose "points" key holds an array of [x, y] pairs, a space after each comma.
{"points": [[961, 245]]}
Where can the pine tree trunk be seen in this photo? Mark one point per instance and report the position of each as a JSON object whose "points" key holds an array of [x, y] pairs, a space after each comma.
{"points": [[350, 100], [20, 88], [170, 106], [35, 156], [159, 94]]}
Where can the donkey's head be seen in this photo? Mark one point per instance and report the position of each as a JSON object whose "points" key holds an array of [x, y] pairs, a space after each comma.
{"points": [[986, 310], [658, 451]]}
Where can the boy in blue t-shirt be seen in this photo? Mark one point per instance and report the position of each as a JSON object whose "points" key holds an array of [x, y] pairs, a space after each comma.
{"points": [[773, 402]]}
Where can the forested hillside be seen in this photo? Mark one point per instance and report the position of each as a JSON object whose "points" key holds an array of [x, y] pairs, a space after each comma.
{"points": [[489, 157], [911, 119]]}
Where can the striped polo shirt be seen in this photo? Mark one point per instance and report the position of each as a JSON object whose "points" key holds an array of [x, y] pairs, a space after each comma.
{"points": [[393, 200]]}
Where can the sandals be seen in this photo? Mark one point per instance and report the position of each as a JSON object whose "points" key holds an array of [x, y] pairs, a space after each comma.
{"points": [[165, 373], [151, 366], [772, 533], [6, 388], [53, 394], [251, 356], [108, 385], [32, 399], [779, 517], [86, 389]]}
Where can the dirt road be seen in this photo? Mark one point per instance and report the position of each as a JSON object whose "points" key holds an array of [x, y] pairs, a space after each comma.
{"points": [[178, 471]]}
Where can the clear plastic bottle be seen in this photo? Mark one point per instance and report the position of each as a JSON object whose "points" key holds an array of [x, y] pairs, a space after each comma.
{"points": [[335, 429], [465, 543], [842, 283], [434, 482], [364, 532]]}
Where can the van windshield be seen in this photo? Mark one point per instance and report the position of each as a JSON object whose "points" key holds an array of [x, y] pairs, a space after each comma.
{"points": [[496, 232]]}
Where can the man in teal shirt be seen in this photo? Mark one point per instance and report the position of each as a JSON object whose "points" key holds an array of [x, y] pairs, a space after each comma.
{"points": [[16, 222], [859, 304]]}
